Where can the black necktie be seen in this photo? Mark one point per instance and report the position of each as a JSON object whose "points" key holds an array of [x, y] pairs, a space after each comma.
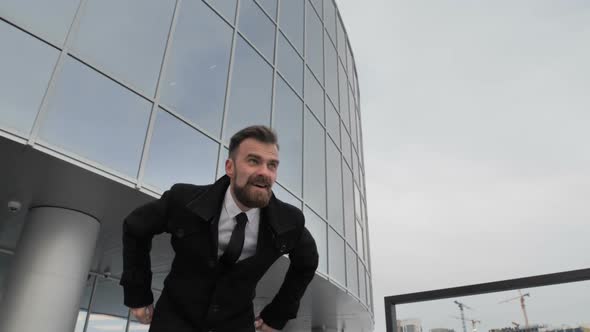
{"points": [[236, 242]]}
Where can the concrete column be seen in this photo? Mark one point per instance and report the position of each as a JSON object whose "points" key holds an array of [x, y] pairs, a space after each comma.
{"points": [[49, 271]]}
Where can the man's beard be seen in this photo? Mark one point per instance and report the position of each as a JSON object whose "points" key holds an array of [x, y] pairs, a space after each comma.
{"points": [[256, 198]]}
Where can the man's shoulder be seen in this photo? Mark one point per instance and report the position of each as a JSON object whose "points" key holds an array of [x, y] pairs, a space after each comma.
{"points": [[290, 212], [186, 191]]}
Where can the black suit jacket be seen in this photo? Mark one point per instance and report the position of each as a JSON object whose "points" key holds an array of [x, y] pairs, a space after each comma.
{"points": [[200, 294]]}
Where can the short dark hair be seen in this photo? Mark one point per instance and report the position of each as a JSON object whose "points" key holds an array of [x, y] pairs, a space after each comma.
{"points": [[260, 133]]}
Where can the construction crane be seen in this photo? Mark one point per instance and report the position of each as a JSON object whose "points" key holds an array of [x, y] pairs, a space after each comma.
{"points": [[472, 320], [462, 306], [522, 306]]}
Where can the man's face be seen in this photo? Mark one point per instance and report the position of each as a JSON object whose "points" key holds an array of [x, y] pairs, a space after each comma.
{"points": [[253, 171]]}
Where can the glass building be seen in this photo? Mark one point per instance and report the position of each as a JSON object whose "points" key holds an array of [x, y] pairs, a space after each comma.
{"points": [[104, 104]]}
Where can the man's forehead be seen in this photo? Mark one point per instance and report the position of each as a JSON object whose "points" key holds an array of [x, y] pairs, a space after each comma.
{"points": [[252, 146]]}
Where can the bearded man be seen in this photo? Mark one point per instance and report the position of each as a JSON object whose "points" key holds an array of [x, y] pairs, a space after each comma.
{"points": [[225, 237]]}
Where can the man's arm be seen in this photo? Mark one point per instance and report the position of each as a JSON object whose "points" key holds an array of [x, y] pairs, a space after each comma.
{"points": [[138, 230], [304, 262]]}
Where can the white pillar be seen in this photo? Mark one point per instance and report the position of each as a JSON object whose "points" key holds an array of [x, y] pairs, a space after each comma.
{"points": [[49, 271]]}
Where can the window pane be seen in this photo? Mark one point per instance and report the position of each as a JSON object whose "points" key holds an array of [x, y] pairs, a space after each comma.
{"points": [[319, 7], [80, 321], [335, 216], [26, 68], [314, 95], [345, 144], [196, 73], [336, 254], [227, 8], [290, 64], [82, 105], [362, 283], [317, 228], [179, 153], [332, 122], [341, 41], [221, 165], [369, 291], [359, 240], [349, 61], [108, 300], [285, 196], [101, 323], [330, 18], [50, 20], [351, 271], [314, 48], [353, 128], [288, 122], [349, 221], [343, 87], [291, 21], [315, 165], [251, 87], [257, 27], [355, 163], [270, 6], [131, 45], [331, 71]]}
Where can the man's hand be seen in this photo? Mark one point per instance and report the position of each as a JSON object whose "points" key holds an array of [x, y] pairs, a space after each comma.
{"points": [[260, 326], [143, 315]]}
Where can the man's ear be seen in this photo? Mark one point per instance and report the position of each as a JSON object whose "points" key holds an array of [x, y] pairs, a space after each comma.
{"points": [[229, 168]]}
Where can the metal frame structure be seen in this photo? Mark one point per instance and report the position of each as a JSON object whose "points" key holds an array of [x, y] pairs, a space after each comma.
{"points": [[477, 289]]}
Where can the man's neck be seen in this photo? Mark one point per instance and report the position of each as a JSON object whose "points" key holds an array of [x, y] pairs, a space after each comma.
{"points": [[237, 201]]}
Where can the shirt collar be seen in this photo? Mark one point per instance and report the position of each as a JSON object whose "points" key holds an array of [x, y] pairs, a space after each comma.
{"points": [[233, 209]]}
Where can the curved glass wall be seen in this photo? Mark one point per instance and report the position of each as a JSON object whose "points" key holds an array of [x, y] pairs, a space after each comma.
{"points": [[173, 80]]}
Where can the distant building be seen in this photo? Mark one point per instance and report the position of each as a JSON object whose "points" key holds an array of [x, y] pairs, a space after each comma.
{"points": [[409, 325], [441, 329]]}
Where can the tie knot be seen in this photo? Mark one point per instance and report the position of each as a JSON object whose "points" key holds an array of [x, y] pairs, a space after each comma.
{"points": [[242, 218]]}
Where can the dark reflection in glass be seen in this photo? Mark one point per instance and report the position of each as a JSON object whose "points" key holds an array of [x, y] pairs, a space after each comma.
{"points": [[351, 271], [349, 221], [330, 18], [270, 6], [332, 122], [314, 44], [26, 68], [251, 87], [317, 228], [179, 153], [257, 27], [290, 64], [131, 45], [315, 165], [319, 7], [285, 196], [336, 254], [341, 41], [362, 283], [227, 8], [196, 73], [50, 20], [331, 71], [5, 263], [291, 21], [96, 118], [288, 122], [335, 217], [314, 95], [346, 152]]}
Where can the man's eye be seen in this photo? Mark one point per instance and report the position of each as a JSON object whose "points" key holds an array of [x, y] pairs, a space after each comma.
{"points": [[253, 161], [272, 166]]}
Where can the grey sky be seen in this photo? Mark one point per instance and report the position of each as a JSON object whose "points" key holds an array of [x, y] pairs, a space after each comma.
{"points": [[475, 119]]}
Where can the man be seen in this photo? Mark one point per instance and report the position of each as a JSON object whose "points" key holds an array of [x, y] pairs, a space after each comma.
{"points": [[225, 237]]}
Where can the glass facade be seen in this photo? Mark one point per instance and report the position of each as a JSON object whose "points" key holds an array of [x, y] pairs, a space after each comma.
{"points": [[152, 98]]}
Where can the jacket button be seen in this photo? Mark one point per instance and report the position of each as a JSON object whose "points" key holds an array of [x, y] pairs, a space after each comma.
{"points": [[180, 232], [283, 248]]}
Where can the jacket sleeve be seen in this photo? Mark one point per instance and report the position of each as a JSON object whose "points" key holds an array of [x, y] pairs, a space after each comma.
{"points": [[139, 228], [304, 262]]}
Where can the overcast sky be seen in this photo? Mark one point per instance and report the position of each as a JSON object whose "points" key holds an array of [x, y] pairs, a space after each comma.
{"points": [[476, 119]]}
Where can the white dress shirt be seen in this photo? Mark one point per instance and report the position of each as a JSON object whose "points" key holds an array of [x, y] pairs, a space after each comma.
{"points": [[227, 223]]}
